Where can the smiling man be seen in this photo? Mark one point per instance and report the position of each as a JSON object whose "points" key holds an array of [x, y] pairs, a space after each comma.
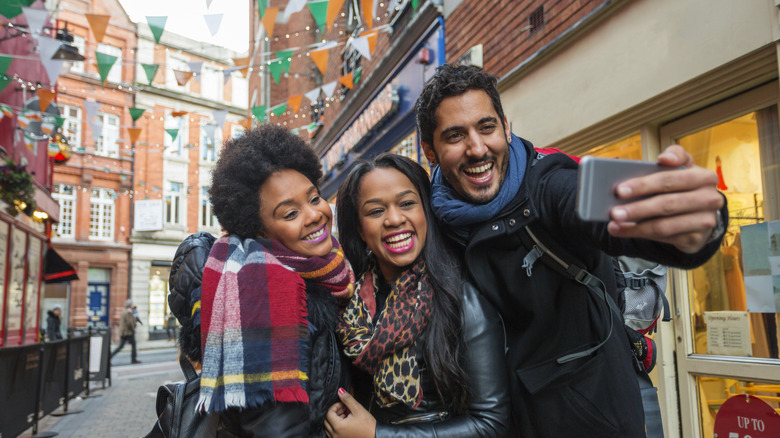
{"points": [[571, 374]]}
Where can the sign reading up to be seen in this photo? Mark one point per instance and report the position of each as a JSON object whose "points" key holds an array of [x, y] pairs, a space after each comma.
{"points": [[746, 416]]}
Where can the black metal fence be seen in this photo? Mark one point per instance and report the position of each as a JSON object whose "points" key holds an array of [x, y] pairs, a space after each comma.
{"points": [[37, 379]]}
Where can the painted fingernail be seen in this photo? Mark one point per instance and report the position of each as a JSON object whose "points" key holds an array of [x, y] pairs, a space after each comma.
{"points": [[341, 391], [619, 214]]}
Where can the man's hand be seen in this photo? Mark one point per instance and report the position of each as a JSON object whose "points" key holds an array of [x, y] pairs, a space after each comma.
{"points": [[682, 211], [349, 419]]}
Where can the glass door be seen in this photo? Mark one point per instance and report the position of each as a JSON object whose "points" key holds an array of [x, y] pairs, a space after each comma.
{"points": [[726, 311]]}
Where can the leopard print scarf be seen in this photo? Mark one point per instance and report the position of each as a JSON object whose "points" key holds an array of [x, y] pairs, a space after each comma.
{"points": [[384, 345]]}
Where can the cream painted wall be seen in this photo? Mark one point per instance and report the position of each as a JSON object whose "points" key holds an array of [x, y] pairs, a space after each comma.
{"points": [[643, 50]]}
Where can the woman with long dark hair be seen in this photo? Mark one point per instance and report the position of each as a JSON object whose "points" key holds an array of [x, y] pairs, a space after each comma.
{"points": [[428, 348]]}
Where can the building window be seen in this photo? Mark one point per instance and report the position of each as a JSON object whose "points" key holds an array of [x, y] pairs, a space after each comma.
{"points": [[72, 125], [172, 64], [211, 83], [78, 66], [65, 194], [115, 74], [209, 144], [175, 146], [107, 143], [173, 203], [207, 218], [236, 131], [101, 217], [240, 90]]}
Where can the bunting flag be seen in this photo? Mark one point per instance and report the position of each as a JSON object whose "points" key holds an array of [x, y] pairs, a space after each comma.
{"points": [[48, 127], [178, 113], [182, 77], [320, 58], [44, 98], [293, 6], [136, 113], [334, 7], [329, 88], [370, 38], [313, 95], [6, 110], [368, 12], [319, 10], [210, 129], [208, 4], [219, 117], [4, 81], [104, 64], [59, 120], [356, 74], [195, 66], [213, 21], [269, 20], [173, 133], [242, 65], [259, 112], [278, 110], [12, 9], [52, 149], [30, 143], [47, 47], [284, 58], [157, 25], [91, 109], [134, 133], [261, 7], [276, 70], [36, 18], [295, 102], [5, 62], [311, 126], [151, 71], [98, 24], [246, 123], [415, 3], [97, 130], [22, 121], [361, 45], [295, 131]]}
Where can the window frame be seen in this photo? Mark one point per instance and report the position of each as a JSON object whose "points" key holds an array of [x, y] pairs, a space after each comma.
{"points": [[104, 206]]}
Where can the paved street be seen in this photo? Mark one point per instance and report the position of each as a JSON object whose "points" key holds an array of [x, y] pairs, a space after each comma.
{"points": [[126, 409]]}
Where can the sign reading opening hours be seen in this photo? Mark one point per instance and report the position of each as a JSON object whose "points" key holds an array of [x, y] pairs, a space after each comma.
{"points": [[746, 416]]}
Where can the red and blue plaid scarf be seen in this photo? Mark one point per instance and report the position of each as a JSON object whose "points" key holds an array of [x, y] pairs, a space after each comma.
{"points": [[254, 331]]}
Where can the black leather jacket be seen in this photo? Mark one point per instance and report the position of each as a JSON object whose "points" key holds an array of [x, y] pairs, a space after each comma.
{"points": [[328, 371], [489, 399]]}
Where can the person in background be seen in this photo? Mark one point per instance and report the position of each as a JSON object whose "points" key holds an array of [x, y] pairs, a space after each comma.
{"points": [[53, 321], [137, 317], [127, 323], [170, 327], [426, 345]]}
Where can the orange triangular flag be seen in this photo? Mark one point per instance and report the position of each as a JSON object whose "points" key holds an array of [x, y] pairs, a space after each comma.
{"points": [[368, 12], [269, 19], [346, 80], [98, 24], [246, 123], [178, 113], [371, 39], [182, 77], [134, 133], [295, 102], [242, 62], [334, 7], [320, 58], [44, 98]]}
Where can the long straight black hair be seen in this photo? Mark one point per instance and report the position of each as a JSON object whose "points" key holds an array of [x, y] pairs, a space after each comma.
{"points": [[444, 340]]}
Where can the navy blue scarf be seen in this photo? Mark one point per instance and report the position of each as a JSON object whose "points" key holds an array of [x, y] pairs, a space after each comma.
{"points": [[460, 215]]}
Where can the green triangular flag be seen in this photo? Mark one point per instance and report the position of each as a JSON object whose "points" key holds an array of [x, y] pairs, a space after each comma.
{"points": [[319, 10], [151, 70], [60, 120], [173, 133], [135, 113], [5, 61], [104, 64], [279, 110], [276, 68], [295, 131], [4, 80], [10, 9], [157, 25], [261, 6], [356, 75], [415, 3], [284, 58], [259, 112]]}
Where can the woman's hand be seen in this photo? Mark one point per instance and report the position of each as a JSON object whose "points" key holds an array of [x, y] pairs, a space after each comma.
{"points": [[349, 419]]}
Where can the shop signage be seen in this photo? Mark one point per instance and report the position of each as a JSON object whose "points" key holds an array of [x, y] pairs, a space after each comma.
{"points": [[728, 333], [148, 215], [746, 416], [384, 105]]}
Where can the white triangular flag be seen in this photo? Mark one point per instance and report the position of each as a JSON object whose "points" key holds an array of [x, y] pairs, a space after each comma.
{"points": [[219, 116], [97, 130], [208, 4], [361, 45], [195, 66], [213, 21], [313, 95], [209, 128], [36, 18], [329, 88], [292, 7], [91, 109], [47, 47]]}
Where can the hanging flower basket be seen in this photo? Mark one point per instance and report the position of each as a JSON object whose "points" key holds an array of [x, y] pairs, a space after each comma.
{"points": [[16, 188]]}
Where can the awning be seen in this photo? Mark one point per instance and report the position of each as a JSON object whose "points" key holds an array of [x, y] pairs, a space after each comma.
{"points": [[56, 269]]}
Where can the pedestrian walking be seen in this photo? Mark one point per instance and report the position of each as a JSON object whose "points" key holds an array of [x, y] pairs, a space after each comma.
{"points": [[127, 322], [53, 322], [170, 327]]}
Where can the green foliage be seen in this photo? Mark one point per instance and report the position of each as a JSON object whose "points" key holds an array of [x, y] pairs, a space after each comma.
{"points": [[16, 184]]}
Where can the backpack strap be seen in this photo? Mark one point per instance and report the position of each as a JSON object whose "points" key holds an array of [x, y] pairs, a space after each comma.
{"points": [[186, 367]]}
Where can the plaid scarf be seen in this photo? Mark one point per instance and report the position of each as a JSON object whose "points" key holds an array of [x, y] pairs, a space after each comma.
{"points": [[384, 345], [254, 327]]}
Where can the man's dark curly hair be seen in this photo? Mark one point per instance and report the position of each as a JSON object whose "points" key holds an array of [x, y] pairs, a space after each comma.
{"points": [[244, 165], [452, 80]]}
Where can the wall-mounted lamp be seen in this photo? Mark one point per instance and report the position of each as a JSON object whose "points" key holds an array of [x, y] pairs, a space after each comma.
{"points": [[66, 52]]}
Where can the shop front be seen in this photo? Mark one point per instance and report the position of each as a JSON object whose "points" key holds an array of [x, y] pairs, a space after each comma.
{"points": [[648, 88]]}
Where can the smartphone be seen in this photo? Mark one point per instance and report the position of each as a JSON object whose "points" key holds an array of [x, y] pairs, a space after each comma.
{"points": [[597, 180]]}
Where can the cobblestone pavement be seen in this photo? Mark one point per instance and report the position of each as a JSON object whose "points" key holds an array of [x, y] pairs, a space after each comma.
{"points": [[126, 409]]}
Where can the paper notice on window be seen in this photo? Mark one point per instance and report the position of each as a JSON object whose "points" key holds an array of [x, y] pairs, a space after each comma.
{"points": [[728, 333]]}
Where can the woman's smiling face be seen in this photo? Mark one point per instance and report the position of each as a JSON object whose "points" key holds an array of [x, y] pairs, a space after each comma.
{"points": [[294, 214], [392, 219]]}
